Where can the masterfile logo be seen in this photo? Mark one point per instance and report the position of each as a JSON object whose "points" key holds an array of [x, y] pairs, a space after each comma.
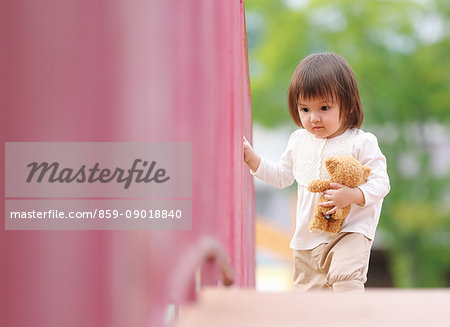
{"points": [[95, 174], [98, 169]]}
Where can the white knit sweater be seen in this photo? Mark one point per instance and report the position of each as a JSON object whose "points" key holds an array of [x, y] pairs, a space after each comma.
{"points": [[303, 161]]}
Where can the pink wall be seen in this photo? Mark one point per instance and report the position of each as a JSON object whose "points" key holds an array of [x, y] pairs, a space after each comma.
{"points": [[129, 71]]}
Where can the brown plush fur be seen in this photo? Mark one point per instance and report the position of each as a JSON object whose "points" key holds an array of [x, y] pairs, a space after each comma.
{"points": [[344, 170]]}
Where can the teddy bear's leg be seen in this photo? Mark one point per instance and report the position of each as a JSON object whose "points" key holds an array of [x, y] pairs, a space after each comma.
{"points": [[334, 226], [318, 223], [341, 214]]}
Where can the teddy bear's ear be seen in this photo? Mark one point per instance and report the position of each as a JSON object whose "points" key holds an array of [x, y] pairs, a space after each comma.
{"points": [[331, 162], [366, 170]]}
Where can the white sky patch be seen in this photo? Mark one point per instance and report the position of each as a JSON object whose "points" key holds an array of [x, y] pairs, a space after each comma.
{"points": [[256, 68], [429, 28], [254, 20], [328, 18], [409, 165], [398, 42], [296, 4], [387, 133], [424, 2]]}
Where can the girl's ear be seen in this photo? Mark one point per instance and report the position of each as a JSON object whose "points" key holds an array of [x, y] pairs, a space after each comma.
{"points": [[366, 170]]}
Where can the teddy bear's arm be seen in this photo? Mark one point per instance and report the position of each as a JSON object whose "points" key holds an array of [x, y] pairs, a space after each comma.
{"points": [[319, 185]]}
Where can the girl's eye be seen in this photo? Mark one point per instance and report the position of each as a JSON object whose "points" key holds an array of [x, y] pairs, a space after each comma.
{"points": [[304, 109], [324, 108]]}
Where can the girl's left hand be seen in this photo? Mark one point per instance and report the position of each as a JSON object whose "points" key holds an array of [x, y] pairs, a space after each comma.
{"points": [[341, 196]]}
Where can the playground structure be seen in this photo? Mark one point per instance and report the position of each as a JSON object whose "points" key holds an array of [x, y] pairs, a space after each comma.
{"points": [[129, 71]]}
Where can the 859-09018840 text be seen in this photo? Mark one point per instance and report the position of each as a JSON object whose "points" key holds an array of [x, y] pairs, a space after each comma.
{"points": [[99, 213]]}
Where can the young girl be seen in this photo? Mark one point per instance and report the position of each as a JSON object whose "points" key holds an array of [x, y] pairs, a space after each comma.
{"points": [[324, 101]]}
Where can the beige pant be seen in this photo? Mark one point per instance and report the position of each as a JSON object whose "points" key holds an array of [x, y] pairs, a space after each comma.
{"points": [[340, 265]]}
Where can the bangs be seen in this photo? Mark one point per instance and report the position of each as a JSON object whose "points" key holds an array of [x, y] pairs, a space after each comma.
{"points": [[316, 79], [313, 87]]}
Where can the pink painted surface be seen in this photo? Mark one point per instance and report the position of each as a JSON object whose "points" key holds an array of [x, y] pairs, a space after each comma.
{"points": [[375, 308], [131, 71]]}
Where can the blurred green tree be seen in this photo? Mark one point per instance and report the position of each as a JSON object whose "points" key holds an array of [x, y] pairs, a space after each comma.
{"points": [[399, 51]]}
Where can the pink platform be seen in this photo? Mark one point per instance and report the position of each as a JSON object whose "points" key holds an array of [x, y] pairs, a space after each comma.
{"points": [[375, 308], [129, 71]]}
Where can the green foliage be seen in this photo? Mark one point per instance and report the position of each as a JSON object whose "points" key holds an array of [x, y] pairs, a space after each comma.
{"points": [[399, 52], [421, 254]]}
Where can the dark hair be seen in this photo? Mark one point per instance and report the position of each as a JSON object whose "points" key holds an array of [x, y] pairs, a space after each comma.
{"points": [[326, 75]]}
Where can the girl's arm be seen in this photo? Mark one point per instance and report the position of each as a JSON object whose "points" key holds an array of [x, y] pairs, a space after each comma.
{"points": [[369, 153], [279, 174]]}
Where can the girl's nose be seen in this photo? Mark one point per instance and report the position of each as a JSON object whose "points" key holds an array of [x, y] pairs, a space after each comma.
{"points": [[315, 117]]}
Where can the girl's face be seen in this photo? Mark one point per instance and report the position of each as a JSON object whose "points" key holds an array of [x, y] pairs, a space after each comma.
{"points": [[321, 117]]}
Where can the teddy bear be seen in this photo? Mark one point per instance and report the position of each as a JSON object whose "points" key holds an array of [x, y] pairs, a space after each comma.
{"points": [[344, 170]]}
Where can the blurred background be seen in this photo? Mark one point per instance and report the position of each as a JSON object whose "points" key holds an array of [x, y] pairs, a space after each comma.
{"points": [[399, 51]]}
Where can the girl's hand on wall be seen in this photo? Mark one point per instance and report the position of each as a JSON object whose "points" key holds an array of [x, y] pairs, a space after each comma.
{"points": [[251, 158]]}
